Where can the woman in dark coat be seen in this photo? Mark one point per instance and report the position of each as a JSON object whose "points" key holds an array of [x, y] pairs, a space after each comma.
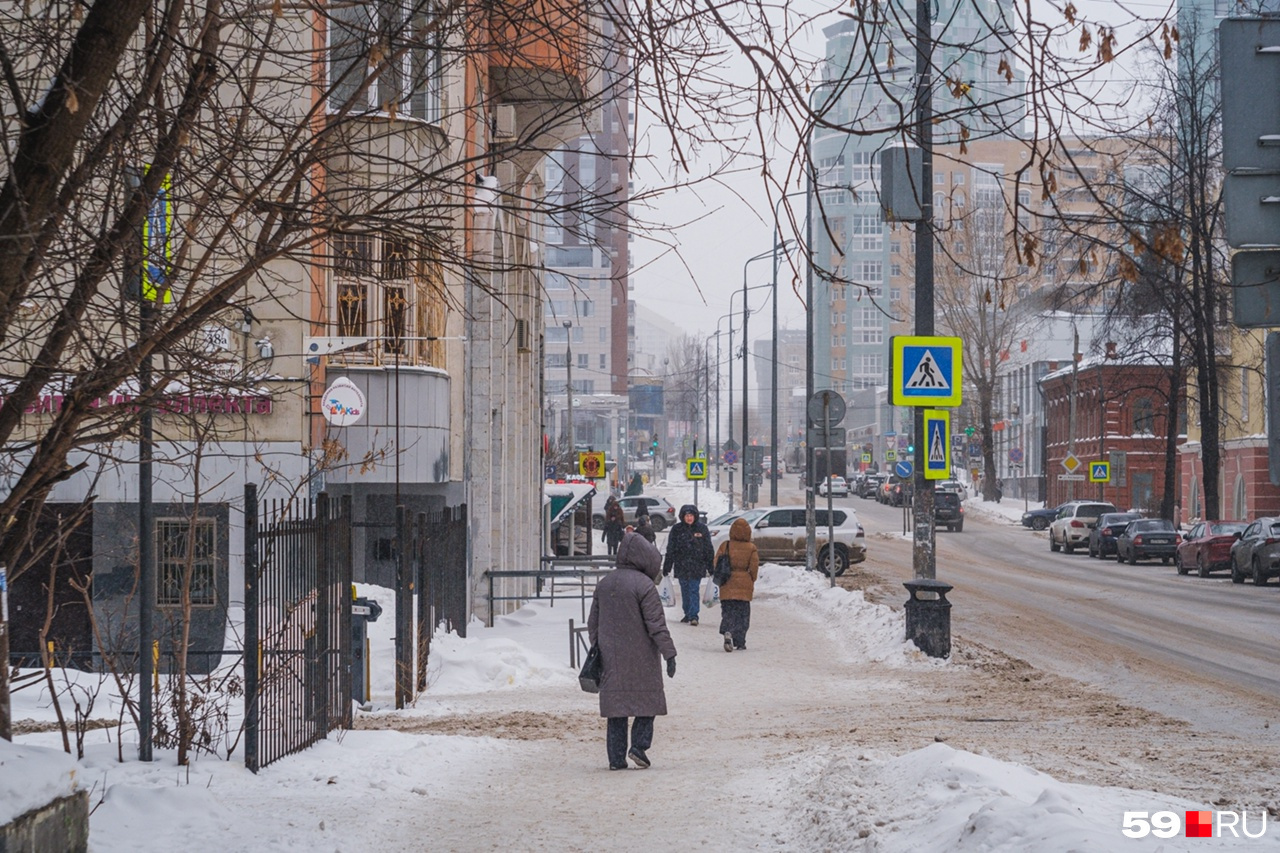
{"points": [[628, 624], [689, 553], [737, 591], [644, 527], [614, 520]]}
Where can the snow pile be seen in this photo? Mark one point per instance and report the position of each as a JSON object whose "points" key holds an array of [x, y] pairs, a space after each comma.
{"points": [[866, 631], [487, 660], [31, 776], [943, 799]]}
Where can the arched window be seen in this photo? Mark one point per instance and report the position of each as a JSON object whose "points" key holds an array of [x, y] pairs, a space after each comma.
{"points": [[1144, 417], [1240, 509]]}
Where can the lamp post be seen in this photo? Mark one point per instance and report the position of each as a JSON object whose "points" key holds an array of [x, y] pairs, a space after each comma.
{"points": [[568, 388], [746, 348], [773, 382], [662, 445]]}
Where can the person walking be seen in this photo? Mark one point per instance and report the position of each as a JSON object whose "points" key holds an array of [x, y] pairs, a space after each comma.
{"points": [[628, 624], [614, 521], [689, 554], [644, 527], [737, 591]]}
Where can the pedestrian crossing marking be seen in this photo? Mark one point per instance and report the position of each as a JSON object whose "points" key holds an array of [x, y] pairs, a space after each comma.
{"points": [[925, 371], [928, 375]]}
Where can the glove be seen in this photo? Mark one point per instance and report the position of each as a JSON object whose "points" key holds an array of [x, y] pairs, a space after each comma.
{"points": [[671, 667]]}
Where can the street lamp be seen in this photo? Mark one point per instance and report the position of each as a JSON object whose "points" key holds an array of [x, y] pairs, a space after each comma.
{"points": [[568, 386], [745, 312]]}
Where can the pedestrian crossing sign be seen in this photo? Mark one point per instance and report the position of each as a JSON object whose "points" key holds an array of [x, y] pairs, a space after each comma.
{"points": [[1099, 472], [890, 455], [695, 469], [937, 445], [925, 370]]}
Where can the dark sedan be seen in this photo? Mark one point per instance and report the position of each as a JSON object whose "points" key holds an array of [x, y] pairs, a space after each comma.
{"points": [[1102, 538], [1040, 519], [1256, 553], [1146, 539], [1207, 547]]}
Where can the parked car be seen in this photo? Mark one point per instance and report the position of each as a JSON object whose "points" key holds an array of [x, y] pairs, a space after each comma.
{"points": [[948, 510], [953, 486], [1102, 538], [721, 524], [834, 484], [1039, 519], [1070, 529], [661, 513], [870, 484], [781, 537], [1256, 553], [1207, 547], [1147, 539]]}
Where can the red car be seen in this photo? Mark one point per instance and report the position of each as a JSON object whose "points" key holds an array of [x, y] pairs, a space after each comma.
{"points": [[1207, 547]]}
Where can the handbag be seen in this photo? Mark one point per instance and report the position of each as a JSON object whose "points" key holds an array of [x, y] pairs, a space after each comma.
{"points": [[592, 670], [724, 568]]}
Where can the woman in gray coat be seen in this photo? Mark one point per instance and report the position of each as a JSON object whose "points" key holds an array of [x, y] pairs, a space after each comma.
{"points": [[628, 624]]}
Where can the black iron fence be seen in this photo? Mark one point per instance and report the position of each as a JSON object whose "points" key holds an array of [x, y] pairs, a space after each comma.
{"points": [[438, 567], [297, 624]]}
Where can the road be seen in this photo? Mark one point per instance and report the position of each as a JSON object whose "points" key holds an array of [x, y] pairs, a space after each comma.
{"points": [[1203, 650]]}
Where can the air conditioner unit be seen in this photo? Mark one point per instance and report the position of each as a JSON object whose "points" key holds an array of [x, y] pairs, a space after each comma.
{"points": [[522, 336], [504, 121]]}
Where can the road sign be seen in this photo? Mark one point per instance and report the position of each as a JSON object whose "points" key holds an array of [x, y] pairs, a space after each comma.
{"points": [[548, 472], [903, 469], [836, 438], [826, 407], [1015, 455], [729, 445], [1075, 478], [1071, 463], [975, 450], [1099, 472], [866, 459], [591, 464], [695, 469], [926, 370], [730, 457], [1255, 284], [890, 455], [937, 444]]}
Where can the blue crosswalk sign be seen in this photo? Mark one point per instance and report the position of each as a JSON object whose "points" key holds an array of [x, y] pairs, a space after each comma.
{"points": [[926, 371], [695, 469]]}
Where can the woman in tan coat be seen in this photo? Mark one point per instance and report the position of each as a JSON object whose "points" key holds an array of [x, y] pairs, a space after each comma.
{"points": [[735, 595]]}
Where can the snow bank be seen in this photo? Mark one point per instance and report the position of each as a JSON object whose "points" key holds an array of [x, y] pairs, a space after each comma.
{"points": [[32, 776], [866, 631]]}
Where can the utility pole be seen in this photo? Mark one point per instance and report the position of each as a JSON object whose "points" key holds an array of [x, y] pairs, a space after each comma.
{"points": [[568, 392]]}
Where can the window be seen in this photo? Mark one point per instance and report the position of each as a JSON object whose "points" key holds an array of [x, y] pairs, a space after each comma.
{"points": [[867, 231], [395, 316], [870, 272], [556, 360], [584, 360], [184, 546], [957, 178], [1244, 394], [1144, 419], [865, 167], [604, 361], [872, 364], [408, 78]]}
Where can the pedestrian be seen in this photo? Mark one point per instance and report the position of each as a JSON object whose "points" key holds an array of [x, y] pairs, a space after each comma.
{"points": [[636, 486], [644, 527], [737, 591], [689, 554], [628, 624], [642, 509], [999, 490], [614, 521]]}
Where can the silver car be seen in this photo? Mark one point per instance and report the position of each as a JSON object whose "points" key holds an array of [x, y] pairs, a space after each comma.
{"points": [[780, 536]]}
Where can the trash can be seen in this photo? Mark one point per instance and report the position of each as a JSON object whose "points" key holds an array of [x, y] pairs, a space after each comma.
{"points": [[929, 619], [363, 611]]}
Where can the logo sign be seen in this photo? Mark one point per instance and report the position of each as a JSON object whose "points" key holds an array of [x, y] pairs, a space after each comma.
{"points": [[343, 403], [1015, 455], [926, 371], [1099, 472], [695, 469], [1071, 463], [903, 469], [591, 464], [1199, 823], [890, 455], [937, 444]]}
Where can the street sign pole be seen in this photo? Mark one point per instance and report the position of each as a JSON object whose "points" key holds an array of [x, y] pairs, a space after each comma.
{"points": [[831, 539]]}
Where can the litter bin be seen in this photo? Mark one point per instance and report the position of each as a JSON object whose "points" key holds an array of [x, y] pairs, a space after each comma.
{"points": [[929, 619], [363, 611]]}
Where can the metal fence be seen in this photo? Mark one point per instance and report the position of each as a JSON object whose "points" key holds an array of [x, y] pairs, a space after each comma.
{"points": [[438, 559], [297, 624]]}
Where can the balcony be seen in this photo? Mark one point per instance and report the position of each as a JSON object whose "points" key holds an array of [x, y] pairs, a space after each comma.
{"points": [[540, 51]]}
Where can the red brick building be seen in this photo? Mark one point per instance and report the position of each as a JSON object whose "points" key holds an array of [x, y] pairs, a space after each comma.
{"points": [[1120, 418]]}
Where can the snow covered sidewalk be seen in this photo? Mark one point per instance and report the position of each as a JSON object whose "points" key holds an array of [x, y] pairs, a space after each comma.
{"points": [[826, 734]]}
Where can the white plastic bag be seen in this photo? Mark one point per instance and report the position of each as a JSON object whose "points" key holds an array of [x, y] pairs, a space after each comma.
{"points": [[666, 593], [710, 593]]}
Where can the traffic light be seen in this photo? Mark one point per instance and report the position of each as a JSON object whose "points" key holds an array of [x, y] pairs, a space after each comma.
{"points": [[653, 448], [911, 448]]}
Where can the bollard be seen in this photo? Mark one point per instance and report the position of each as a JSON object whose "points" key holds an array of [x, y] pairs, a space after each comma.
{"points": [[929, 619]]}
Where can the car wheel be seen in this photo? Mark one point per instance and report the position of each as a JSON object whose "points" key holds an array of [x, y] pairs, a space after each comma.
{"points": [[1119, 556], [960, 527], [1039, 523], [1068, 547], [840, 561], [1177, 564], [1259, 576], [1236, 577], [1164, 561], [1093, 552], [1053, 543], [1201, 569], [1133, 558], [659, 523], [597, 521]]}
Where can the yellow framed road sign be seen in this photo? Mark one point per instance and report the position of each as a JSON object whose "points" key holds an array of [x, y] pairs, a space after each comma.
{"points": [[1099, 472], [891, 456], [695, 469], [937, 444], [591, 464], [925, 370]]}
